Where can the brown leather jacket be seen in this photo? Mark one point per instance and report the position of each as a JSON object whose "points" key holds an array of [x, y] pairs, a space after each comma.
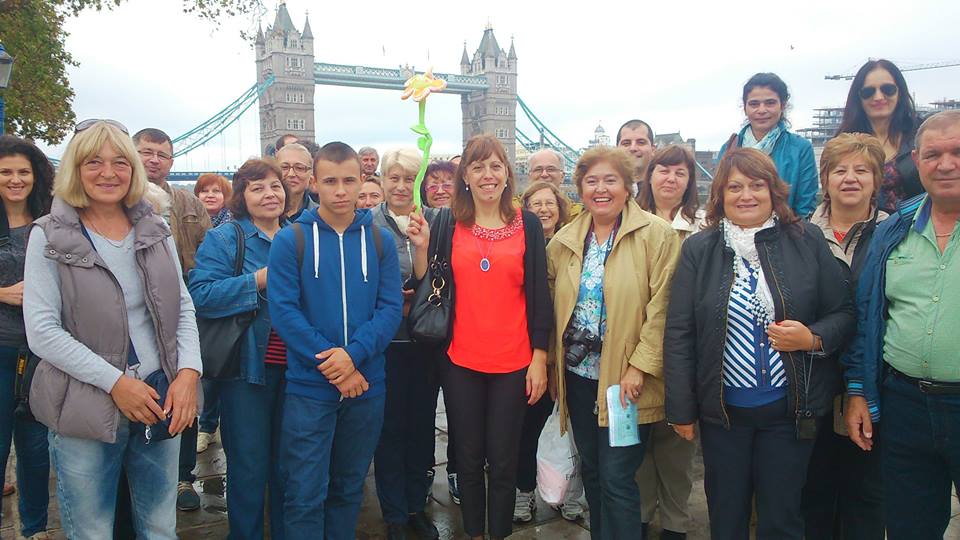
{"points": [[93, 302], [189, 221]]}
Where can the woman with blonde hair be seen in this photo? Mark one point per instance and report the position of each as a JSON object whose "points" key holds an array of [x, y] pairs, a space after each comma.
{"points": [[843, 496], [115, 386]]}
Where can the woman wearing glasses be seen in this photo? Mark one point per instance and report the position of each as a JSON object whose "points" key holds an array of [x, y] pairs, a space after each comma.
{"points": [[879, 104], [436, 190], [406, 447], [130, 328], [765, 102]]}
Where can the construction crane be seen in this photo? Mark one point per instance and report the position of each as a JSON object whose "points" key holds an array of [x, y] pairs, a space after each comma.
{"points": [[915, 67]]}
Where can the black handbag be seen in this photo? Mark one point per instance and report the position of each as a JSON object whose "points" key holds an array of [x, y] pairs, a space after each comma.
{"points": [[431, 311], [27, 363], [220, 338], [159, 431]]}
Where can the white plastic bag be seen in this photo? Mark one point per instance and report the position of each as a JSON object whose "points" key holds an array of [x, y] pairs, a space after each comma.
{"points": [[558, 469]]}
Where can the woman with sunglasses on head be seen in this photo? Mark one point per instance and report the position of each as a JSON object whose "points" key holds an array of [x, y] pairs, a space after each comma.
{"points": [[26, 181], [765, 102], [120, 371], [880, 104]]}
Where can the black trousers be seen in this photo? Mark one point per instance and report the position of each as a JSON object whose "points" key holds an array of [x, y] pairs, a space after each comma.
{"points": [[843, 497], [442, 365], [486, 410], [760, 456], [533, 420], [406, 446]]}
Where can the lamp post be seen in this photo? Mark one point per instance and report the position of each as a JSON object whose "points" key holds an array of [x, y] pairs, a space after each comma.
{"points": [[6, 69]]}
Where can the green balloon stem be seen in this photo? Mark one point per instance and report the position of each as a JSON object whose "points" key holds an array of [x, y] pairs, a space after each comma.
{"points": [[424, 143]]}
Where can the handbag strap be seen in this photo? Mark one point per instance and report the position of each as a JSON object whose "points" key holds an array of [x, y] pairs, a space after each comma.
{"points": [[443, 247], [241, 250]]}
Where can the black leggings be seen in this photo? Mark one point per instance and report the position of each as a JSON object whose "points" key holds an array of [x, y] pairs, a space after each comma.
{"points": [[486, 410]]}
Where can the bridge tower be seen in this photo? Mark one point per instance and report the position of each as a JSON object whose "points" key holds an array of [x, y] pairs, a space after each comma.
{"points": [[491, 111], [287, 105]]}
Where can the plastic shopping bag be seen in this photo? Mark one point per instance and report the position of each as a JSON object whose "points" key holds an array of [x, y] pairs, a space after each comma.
{"points": [[558, 468]]}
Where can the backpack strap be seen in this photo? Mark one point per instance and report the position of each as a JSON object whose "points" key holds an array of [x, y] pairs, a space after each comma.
{"points": [[298, 238], [377, 240]]}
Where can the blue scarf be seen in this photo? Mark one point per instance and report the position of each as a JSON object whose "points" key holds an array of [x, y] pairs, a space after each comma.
{"points": [[765, 144]]}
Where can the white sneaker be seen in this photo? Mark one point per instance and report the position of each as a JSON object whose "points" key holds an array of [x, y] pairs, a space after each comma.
{"points": [[203, 441], [571, 510], [525, 506]]}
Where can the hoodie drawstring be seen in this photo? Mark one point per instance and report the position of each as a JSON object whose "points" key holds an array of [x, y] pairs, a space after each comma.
{"points": [[316, 251], [363, 252]]}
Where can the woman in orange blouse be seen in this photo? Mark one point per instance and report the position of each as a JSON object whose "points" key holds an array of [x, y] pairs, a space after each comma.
{"points": [[502, 318]]}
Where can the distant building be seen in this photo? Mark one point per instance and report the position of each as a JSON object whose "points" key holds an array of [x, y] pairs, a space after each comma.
{"points": [[600, 137]]}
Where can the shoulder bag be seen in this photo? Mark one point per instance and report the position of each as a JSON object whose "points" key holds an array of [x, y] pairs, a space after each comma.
{"points": [[432, 306]]}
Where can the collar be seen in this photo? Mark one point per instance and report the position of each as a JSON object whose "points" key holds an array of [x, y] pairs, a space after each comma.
{"points": [[572, 234], [680, 222], [922, 216]]}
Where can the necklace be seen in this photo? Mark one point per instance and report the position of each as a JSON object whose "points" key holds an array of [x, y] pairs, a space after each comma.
{"points": [[113, 243], [946, 234], [484, 255]]}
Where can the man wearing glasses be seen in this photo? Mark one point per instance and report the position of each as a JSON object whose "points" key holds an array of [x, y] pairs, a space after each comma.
{"points": [[547, 165], [297, 168], [188, 222]]}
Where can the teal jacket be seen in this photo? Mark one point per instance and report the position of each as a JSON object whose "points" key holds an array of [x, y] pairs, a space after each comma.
{"points": [[796, 165]]}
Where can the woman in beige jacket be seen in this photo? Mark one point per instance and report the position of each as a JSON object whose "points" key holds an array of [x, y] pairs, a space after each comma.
{"points": [[609, 271]]}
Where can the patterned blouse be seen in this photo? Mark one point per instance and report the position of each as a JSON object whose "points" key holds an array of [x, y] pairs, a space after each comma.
{"points": [[590, 311]]}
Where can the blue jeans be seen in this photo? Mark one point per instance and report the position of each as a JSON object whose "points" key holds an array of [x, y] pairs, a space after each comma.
{"points": [[210, 415], [250, 430], [326, 450], [88, 474], [406, 446], [920, 459], [33, 458], [608, 472]]}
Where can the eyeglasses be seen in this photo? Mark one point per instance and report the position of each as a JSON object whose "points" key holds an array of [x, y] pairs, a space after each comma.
{"points": [[433, 188], [888, 90], [86, 124], [536, 205], [298, 168], [537, 171], [150, 154]]}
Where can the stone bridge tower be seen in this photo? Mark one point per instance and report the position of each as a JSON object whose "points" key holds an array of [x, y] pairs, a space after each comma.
{"points": [[287, 54], [492, 111]]}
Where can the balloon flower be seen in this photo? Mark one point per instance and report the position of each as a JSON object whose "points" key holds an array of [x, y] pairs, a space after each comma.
{"points": [[419, 87]]}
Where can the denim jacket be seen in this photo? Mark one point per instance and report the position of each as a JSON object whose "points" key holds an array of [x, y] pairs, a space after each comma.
{"points": [[218, 293], [863, 360]]}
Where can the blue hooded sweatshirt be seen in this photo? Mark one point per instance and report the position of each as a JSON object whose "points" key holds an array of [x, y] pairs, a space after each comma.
{"points": [[343, 295]]}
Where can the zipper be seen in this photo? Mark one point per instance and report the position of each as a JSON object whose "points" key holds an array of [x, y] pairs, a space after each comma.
{"points": [[409, 255], [783, 303], [343, 289], [126, 347], [152, 308], [726, 332]]}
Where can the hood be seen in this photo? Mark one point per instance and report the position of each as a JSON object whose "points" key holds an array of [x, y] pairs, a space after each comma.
{"points": [[362, 220]]}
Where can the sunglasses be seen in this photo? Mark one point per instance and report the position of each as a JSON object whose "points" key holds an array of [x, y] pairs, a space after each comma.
{"points": [[888, 90], [90, 122]]}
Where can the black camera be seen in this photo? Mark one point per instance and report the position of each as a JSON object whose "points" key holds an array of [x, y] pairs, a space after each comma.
{"points": [[577, 343]]}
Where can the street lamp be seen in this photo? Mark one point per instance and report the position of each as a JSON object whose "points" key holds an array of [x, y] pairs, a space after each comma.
{"points": [[6, 69]]}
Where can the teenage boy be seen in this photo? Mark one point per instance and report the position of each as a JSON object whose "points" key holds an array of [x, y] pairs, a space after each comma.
{"points": [[334, 285]]}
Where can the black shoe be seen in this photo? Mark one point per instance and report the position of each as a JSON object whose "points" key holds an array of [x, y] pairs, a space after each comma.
{"points": [[395, 531], [423, 527], [187, 498], [644, 530], [672, 535]]}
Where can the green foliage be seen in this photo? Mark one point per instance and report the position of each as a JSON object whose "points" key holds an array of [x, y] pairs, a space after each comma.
{"points": [[38, 102]]}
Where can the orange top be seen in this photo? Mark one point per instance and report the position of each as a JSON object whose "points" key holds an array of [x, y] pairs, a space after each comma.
{"points": [[490, 308]]}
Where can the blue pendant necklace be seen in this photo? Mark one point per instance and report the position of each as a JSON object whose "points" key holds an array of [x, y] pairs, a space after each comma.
{"points": [[484, 255]]}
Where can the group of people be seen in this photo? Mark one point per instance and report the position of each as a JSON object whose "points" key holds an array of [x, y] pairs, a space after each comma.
{"points": [[780, 323]]}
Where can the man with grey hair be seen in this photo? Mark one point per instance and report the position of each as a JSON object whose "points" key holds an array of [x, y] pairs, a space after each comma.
{"points": [[545, 165], [369, 161], [903, 362]]}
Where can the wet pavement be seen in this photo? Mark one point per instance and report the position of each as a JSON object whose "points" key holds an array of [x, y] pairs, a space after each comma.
{"points": [[210, 521]]}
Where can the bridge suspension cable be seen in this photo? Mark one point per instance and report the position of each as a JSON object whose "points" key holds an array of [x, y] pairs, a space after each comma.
{"points": [[215, 125], [547, 137]]}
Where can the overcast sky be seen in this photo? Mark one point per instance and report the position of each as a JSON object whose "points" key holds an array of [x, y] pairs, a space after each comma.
{"points": [[679, 65]]}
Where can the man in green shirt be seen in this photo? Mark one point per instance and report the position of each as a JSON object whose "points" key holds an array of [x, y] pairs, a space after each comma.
{"points": [[905, 360]]}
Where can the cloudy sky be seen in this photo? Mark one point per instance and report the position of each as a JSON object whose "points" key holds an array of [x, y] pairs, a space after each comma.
{"points": [[680, 65]]}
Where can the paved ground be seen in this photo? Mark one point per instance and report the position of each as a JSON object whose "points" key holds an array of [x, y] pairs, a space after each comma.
{"points": [[210, 521]]}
